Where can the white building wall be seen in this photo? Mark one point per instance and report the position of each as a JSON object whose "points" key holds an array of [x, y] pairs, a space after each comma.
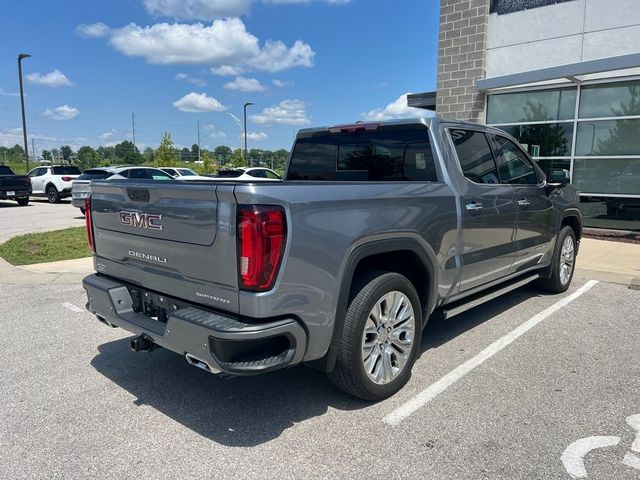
{"points": [[560, 34]]}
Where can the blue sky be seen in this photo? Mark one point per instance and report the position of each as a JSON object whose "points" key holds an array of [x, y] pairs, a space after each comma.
{"points": [[174, 62]]}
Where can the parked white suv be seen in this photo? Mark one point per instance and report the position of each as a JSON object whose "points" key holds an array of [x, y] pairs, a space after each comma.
{"points": [[53, 181]]}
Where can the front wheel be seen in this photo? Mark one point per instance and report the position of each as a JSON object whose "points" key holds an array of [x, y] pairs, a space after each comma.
{"points": [[563, 263], [381, 337], [52, 194], [23, 202]]}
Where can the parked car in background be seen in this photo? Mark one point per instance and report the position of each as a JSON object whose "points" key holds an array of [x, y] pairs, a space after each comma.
{"points": [[82, 185], [14, 187], [183, 173], [53, 181], [251, 173]]}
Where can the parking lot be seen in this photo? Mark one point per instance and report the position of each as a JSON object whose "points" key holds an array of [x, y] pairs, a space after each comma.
{"points": [[38, 216], [483, 402]]}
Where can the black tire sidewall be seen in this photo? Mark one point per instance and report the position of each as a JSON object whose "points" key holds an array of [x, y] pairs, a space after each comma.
{"points": [[385, 283], [53, 198], [555, 272]]}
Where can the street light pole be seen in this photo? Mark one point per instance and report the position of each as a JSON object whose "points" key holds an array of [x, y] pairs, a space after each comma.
{"points": [[237, 120], [246, 153], [24, 120]]}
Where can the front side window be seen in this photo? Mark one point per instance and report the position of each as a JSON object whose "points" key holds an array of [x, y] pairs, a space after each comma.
{"points": [[515, 167], [475, 156], [272, 175], [257, 174]]}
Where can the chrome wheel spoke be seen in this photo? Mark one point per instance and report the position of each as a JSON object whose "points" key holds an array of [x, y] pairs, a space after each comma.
{"points": [[388, 337]]}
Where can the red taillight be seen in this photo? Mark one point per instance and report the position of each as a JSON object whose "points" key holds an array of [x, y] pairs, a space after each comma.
{"points": [[87, 221], [262, 234], [66, 179]]}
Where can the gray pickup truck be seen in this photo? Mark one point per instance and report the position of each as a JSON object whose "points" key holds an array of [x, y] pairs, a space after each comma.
{"points": [[376, 228]]}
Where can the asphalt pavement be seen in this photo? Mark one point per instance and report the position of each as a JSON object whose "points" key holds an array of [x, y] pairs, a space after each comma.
{"points": [[38, 216], [76, 402]]}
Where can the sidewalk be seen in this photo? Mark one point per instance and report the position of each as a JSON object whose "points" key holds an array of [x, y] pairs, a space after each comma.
{"points": [[598, 260]]}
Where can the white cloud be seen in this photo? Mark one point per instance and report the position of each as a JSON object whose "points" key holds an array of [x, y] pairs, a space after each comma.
{"points": [[198, 102], [227, 71], [396, 109], [93, 30], [287, 112], [257, 136], [63, 112], [243, 84], [9, 94], [225, 45], [282, 83], [197, 9], [51, 79], [192, 80], [218, 135], [213, 9]]}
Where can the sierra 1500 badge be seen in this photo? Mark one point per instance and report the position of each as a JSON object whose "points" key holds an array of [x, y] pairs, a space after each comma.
{"points": [[141, 220]]}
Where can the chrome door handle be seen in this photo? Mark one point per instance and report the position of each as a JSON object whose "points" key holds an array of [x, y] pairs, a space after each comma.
{"points": [[524, 202], [474, 206]]}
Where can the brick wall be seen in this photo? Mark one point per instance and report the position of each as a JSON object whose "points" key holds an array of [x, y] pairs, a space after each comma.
{"points": [[462, 47]]}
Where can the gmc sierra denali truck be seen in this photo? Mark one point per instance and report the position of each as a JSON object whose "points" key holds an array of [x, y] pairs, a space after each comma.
{"points": [[376, 228]]}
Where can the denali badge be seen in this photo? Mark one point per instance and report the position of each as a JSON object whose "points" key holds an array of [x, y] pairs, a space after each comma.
{"points": [[141, 220], [147, 256]]}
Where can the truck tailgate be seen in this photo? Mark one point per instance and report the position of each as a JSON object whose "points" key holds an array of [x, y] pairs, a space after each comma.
{"points": [[171, 235]]}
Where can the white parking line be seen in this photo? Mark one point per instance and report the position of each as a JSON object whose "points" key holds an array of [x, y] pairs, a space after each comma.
{"points": [[435, 389], [72, 307]]}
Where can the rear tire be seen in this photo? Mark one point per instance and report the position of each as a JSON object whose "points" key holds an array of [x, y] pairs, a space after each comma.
{"points": [[52, 194], [23, 202], [563, 263], [381, 337]]}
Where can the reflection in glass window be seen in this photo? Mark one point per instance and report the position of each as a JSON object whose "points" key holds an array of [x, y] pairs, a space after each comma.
{"points": [[546, 140], [475, 157], [608, 137], [535, 106], [607, 175], [515, 167], [554, 164], [610, 100]]}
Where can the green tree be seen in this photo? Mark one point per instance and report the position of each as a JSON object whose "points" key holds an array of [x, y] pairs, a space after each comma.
{"points": [[67, 152], [222, 154], [237, 160], [46, 155], [165, 153], [106, 154], [194, 152], [149, 155], [87, 158], [185, 155], [208, 163], [127, 153]]}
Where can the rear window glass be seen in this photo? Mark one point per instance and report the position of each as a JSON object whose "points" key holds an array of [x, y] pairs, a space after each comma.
{"points": [[230, 173], [388, 155], [4, 170], [66, 170], [94, 175]]}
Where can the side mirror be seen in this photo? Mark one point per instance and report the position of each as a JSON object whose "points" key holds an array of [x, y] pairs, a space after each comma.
{"points": [[558, 178]]}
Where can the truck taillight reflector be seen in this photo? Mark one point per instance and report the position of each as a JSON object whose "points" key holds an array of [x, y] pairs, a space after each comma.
{"points": [[262, 234], [87, 220]]}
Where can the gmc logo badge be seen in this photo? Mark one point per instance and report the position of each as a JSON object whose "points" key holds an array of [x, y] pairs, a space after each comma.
{"points": [[141, 220]]}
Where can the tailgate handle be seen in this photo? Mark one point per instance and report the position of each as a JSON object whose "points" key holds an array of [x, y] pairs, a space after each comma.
{"points": [[138, 194]]}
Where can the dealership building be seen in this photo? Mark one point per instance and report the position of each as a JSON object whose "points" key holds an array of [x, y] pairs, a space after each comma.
{"points": [[563, 77]]}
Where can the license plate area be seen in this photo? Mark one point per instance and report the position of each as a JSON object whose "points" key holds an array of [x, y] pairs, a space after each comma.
{"points": [[10, 193], [153, 305]]}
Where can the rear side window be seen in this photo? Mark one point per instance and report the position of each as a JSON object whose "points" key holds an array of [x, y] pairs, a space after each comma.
{"points": [[230, 173], [515, 167], [475, 156], [66, 171], [387, 155], [94, 175]]}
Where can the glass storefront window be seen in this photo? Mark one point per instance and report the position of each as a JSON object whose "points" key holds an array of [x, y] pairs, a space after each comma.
{"points": [[619, 176], [544, 140], [553, 164], [535, 106], [620, 99], [611, 212], [609, 137]]}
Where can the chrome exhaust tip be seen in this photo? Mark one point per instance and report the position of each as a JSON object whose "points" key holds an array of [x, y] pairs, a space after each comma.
{"points": [[200, 363]]}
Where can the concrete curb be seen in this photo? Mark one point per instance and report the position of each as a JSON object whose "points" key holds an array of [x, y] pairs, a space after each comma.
{"points": [[12, 275]]}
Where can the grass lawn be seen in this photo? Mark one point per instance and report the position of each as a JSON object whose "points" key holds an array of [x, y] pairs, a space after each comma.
{"points": [[46, 247]]}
